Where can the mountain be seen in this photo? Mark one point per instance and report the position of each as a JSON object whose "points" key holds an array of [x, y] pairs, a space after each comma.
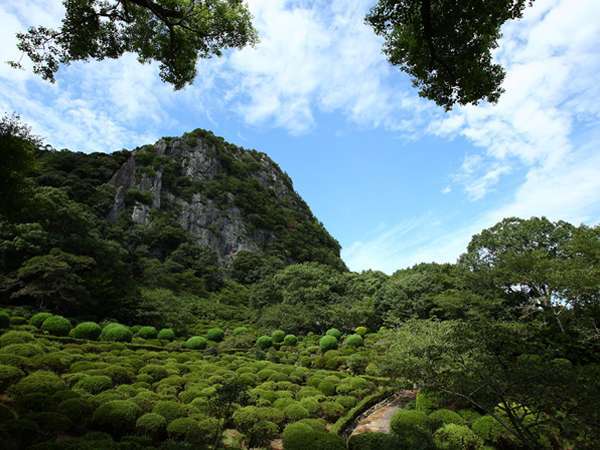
{"points": [[228, 199]]}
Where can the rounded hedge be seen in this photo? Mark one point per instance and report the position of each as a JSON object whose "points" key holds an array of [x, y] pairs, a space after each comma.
{"points": [[328, 342], [278, 336], [166, 334], [9, 375], [15, 337], [334, 332], [94, 384], [427, 401], [115, 332], [170, 409], [196, 343], [41, 382], [456, 437], [185, 429], [4, 320], [86, 330], [443, 417], [215, 334], [147, 332], [354, 340], [77, 409], [405, 421], [264, 342], [374, 441], [38, 319], [151, 424], [56, 325], [301, 436], [295, 412], [117, 416], [361, 331], [488, 429], [290, 340]]}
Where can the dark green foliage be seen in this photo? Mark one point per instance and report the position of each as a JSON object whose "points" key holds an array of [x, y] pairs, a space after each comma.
{"points": [[38, 319], [489, 429], [4, 320], [94, 384], [86, 330], [116, 332], [170, 410], [57, 326], [328, 343], [147, 332], [196, 343], [446, 46], [457, 437], [215, 334], [278, 336], [151, 424], [404, 422], [15, 337], [118, 416], [427, 401], [264, 342], [40, 383], [443, 417], [290, 340], [300, 436], [9, 375], [77, 409], [166, 334], [374, 441]]}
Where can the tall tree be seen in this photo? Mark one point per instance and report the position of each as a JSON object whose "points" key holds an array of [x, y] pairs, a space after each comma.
{"points": [[173, 32], [445, 45]]}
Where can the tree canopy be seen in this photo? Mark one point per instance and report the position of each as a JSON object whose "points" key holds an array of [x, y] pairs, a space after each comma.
{"points": [[446, 46], [173, 32]]}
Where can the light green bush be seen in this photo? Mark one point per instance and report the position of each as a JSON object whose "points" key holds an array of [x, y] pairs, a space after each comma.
{"points": [[427, 402], [170, 410], [56, 325], [86, 330], [94, 384], [374, 441], [23, 350], [290, 340], [264, 342], [215, 334], [151, 424], [456, 437], [166, 334], [115, 332], [117, 416], [196, 343], [15, 337], [335, 333], [488, 429], [295, 412], [278, 336], [361, 331], [38, 319], [147, 332], [328, 342], [441, 417], [186, 429], [40, 382], [240, 330], [354, 340]]}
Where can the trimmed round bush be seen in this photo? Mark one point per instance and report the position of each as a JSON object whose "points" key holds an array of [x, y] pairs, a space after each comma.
{"points": [[238, 331], [443, 417], [334, 332], [185, 429], [278, 336], [374, 441], [196, 343], [22, 350], [151, 424], [15, 337], [117, 416], [301, 436], [456, 437], [215, 334], [147, 332], [427, 402], [488, 429], [361, 331], [86, 330], [56, 325], [166, 334], [295, 412], [354, 340], [77, 409], [94, 384], [328, 342], [264, 342], [170, 410], [9, 375], [4, 320], [38, 319], [41, 383], [290, 340], [412, 427], [115, 332]]}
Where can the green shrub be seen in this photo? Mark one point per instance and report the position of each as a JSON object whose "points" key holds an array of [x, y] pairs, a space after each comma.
{"points": [[186, 429], [115, 332], [443, 417], [166, 334], [56, 325], [4, 320], [23, 350], [38, 319], [328, 342], [94, 384], [15, 337], [327, 387], [215, 334], [170, 410], [240, 330], [278, 336], [9, 375], [151, 424], [156, 371], [335, 333], [18, 320], [488, 429], [301, 436], [456, 437], [295, 412], [86, 330], [331, 410], [147, 332], [51, 422], [290, 340], [427, 402], [264, 342], [41, 383], [374, 441], [361, 331], [117, 416], [196, 343], [469, 415], [354, 340], [6, 414], [77, 409]]}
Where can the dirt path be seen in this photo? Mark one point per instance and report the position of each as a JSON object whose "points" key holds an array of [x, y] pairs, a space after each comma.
{"points": [[377, 418]]}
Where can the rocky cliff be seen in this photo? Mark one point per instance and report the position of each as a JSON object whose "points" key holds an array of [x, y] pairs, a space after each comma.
{"points": [[227, 198]]}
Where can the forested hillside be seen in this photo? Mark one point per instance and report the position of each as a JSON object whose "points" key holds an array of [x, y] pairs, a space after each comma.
{"points": [[182, 295]]}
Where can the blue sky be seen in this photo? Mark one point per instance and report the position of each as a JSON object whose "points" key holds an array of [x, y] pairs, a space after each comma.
{"points": [[393, 177]]}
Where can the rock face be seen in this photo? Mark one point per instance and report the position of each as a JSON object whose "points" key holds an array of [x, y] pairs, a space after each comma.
{"points": [[227, 198]]}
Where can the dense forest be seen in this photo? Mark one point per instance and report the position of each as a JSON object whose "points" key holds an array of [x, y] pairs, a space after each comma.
{"points": [[124, 334]]}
